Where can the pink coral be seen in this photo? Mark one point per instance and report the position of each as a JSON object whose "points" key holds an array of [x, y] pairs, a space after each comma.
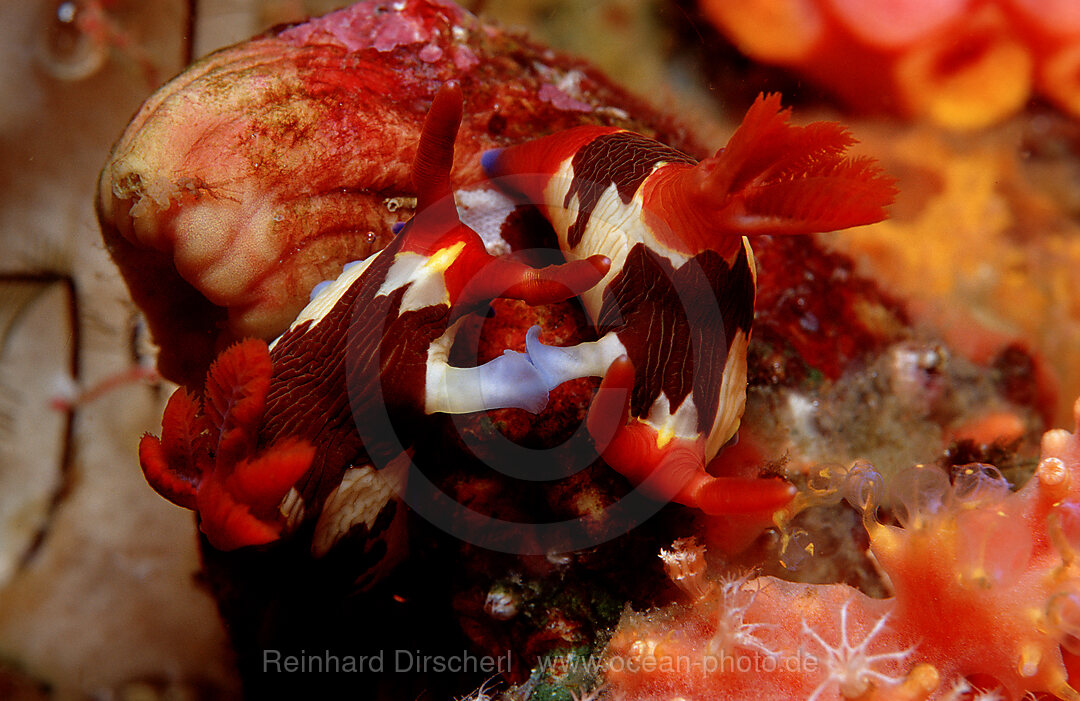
{"points": [[960, 63], [986, 590]]}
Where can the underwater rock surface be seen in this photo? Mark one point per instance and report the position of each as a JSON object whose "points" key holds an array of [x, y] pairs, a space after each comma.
{"points": [[264, 168]]}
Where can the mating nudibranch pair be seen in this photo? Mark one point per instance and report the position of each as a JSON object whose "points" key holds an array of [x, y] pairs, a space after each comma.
{"points": [[354, 376], [655, 247]]}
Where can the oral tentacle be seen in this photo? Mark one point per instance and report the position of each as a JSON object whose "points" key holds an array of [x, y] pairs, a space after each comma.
{"points": [[742, 495], [509, 381], [665, 467], [611, 407], [559, 364], [489, 277], [630, 446]]}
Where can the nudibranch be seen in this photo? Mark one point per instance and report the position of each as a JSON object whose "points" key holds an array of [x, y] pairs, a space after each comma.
{"points": [[674, 312], [374, 342]]}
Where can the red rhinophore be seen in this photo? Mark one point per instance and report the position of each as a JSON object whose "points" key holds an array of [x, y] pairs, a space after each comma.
{"points": [[529, 169], [474, 276]]}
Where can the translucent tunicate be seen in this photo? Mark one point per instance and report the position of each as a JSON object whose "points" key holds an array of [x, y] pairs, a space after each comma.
{"points": [[796, 547], [863, 487], [1063, 614], [826, 482], [979, 484], [919, 493]]}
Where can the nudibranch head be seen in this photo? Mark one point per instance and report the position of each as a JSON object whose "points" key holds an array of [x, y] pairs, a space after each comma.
{"points": [[264, 167]]}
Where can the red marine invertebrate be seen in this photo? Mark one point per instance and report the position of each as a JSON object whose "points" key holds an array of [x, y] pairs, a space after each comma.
{"points": [[374, 341], [986, 587], [959, 63], [674, 313]]}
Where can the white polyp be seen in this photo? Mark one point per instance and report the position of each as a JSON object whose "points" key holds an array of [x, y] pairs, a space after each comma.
{"points": [[557, 364], [1055, 441], [1052, 472]]}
